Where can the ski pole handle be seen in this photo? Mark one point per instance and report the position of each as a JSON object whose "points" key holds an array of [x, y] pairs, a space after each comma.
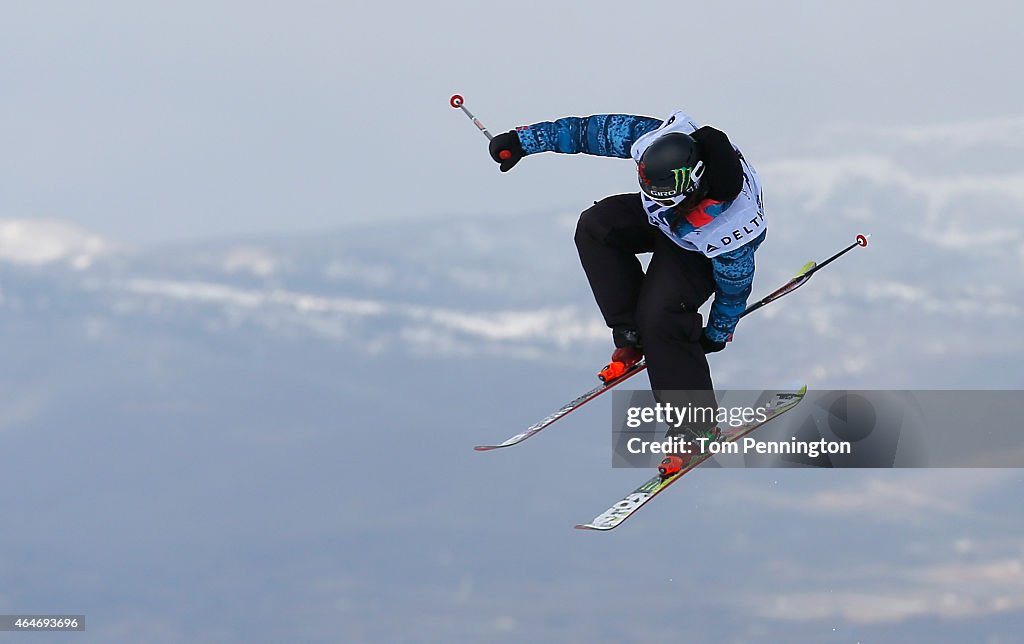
{"points": [[458, 102]]}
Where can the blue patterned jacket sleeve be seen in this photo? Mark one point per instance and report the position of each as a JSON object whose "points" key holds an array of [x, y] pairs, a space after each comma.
{"points": [[734, 275], [606, 135]]}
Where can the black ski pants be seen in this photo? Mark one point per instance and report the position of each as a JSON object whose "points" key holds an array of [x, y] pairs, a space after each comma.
{"points": [[660, 304]]}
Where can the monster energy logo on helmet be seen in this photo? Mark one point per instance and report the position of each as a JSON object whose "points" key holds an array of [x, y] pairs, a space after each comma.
{"points": [[671, 167]]}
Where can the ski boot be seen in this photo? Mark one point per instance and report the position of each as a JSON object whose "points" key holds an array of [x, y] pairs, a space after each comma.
{"points": [[672, 464], [628, 352]]}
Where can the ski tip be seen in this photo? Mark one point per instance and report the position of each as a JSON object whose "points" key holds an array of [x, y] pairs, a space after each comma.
{"points": [[484, 448], [806, 267], [795, 389], [794, 386], [587, 526]]}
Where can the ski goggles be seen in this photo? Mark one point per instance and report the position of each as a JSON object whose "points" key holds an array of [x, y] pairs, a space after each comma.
{"points": [[679, 182]]}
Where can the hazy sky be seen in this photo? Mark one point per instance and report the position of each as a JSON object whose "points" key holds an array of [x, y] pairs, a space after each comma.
{"points": [[198, 119], [196, 431]]}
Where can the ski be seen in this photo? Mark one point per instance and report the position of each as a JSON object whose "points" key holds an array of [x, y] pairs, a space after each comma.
{"points": [[778, 403], [567, 408]]}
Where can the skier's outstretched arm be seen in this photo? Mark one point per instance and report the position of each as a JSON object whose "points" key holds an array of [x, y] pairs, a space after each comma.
{"points": [[608, 135], [734, 276]]}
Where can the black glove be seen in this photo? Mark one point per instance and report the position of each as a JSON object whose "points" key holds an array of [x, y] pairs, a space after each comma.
{"points": [[709, 345], [507, 143]]}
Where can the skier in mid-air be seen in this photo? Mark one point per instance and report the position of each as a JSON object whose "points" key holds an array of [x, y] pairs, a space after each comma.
{"points": [[699, 213]]}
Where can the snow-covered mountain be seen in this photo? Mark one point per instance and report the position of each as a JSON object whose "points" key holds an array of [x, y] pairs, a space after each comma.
{"points": [[934, 302], [30, 242]]}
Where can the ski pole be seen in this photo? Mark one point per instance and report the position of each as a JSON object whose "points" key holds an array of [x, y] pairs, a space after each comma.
{"points": [[798, 280], [862, 241], [457, 102]]}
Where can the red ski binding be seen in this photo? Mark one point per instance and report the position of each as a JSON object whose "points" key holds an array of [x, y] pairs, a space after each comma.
{"points": [[623, 359], [671, 465]]}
